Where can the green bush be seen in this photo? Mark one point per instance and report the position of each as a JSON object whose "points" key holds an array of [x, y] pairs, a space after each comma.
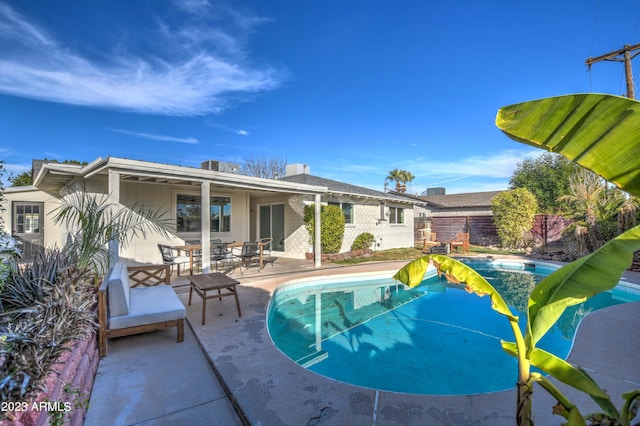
{"points": [[363, 241], [331, 224], [514, 213]]}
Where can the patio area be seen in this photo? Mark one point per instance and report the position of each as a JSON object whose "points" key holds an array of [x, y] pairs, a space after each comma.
{"points": [[267, 388]]}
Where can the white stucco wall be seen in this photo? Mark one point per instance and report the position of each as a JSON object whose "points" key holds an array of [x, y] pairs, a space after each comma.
{"points": [[366, 219], [52, 234], [163, 198], [245, 220], [387, 235]]}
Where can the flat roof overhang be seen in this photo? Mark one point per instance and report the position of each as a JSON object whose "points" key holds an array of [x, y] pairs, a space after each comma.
{"points": [[53, 177]]}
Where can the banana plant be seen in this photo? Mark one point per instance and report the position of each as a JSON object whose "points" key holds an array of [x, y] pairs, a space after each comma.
{"points": [[570, 285], [601, 133]]}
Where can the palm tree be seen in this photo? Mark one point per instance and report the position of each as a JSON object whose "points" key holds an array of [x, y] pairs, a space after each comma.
{"points": [[94, 226], [401, 178]]}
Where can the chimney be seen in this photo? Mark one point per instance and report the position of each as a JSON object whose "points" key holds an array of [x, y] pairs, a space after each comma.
{"points": [[435, 191], [36, 165], [297, 169]]}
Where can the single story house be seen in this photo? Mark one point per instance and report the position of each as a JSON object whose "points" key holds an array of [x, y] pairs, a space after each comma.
{"points": [[242, 208]]}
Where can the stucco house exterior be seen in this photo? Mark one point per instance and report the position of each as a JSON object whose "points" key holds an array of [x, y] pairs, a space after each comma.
{"points": [[242, 208]]}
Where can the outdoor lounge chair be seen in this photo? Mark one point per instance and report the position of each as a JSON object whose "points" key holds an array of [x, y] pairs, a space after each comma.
{"points": [[125, 309], [170, 257]]}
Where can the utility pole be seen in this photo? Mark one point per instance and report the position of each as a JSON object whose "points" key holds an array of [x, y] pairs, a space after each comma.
{"points": [[623, 55]]}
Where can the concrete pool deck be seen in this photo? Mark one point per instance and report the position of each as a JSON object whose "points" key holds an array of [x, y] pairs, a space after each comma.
{"points": [[270, 389], [158, 381]]}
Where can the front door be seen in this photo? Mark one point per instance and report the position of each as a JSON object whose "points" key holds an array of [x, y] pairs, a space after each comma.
{"points": [[27, 227], [272, 225]]}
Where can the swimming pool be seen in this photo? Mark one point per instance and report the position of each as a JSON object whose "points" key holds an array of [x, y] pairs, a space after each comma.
{"points": [[433, 339]]}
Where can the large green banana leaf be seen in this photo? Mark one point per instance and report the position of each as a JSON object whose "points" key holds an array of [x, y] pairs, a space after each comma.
{"points": [[412, 274], [599, 132], [577, 281], [566, 373]]}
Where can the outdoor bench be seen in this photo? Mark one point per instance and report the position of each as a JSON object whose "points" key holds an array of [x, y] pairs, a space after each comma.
{"points": [[125, 309]]}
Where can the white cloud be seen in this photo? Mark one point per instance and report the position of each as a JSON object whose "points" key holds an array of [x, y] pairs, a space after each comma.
{"points": [[156, 137], [229, 129], [194, 70], [498, 165], [457, 174]]}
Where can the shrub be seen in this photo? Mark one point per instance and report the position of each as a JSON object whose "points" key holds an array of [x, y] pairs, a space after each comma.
{"points": [[331, 227], [514, 212], [363, 241]]}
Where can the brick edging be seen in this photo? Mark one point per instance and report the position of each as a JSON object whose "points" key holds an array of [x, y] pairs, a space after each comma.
{"points": [[66, 388]]}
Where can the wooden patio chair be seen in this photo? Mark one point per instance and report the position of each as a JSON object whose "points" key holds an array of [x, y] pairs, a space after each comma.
{"points": [[462, 240]]}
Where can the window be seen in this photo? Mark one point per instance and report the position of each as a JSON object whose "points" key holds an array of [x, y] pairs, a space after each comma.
{"points": [[396, 215], [220, 211], [189, 211], [347, 209], [27, 219]]}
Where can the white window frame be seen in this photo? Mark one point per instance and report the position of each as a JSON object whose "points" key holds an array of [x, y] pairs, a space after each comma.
{"points": [[212, 204], [396, 215], [341, 205]]}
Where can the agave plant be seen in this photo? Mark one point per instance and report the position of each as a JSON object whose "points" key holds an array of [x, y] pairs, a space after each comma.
{"points": [[97, 222], [601, 133], [45, 308]]}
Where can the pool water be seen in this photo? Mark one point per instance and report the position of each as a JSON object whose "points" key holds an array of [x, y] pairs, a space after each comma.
{"points": [[432, 339]]}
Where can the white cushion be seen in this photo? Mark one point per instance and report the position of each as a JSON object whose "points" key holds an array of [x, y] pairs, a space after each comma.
{"points": [[118, 279], [149, 305]]}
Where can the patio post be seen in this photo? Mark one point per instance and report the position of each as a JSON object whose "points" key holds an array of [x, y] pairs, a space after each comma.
{"points": [[205, 226], [317, 258], [114, 203]]}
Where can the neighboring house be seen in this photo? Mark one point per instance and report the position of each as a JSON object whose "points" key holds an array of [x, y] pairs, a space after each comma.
{"points": [[242, 208], [444, 216], [447, 215]]}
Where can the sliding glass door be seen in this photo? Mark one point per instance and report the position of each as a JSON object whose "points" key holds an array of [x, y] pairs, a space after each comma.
{"points": [[272, 224]]}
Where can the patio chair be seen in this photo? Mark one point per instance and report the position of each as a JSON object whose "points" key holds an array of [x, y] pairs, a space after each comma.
{"points": [[265, 244], [171, 256], [220, 253], [248, 253], [462, 240], [432, 242], [197, 254]]}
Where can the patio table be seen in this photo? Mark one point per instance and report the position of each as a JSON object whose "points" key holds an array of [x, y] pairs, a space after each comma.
{"points": [[201, 283], [192, 248]]}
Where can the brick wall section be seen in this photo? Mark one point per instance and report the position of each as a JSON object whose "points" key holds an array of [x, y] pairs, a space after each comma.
{"points": [[75, 370]]}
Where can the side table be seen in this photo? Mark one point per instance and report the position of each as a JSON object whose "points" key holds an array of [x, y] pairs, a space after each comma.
{"points": [[202, 283]]}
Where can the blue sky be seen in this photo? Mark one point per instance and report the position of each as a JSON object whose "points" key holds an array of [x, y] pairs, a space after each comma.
{"points": [[352, 88]]}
